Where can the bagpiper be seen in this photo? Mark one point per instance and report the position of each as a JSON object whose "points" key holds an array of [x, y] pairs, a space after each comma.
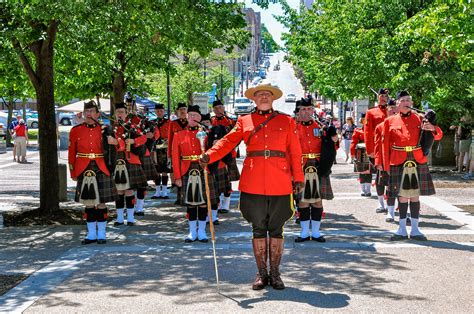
{"points": [[271, 168], [361, 160], [129, 175], [221, 118], [160, 152], [374, 117], [175, 126], [382, 176], [189, 175], [88, 167], [318, 151], [407, 164]]}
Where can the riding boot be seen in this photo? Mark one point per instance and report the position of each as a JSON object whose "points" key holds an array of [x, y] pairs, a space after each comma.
{"points": [[260, 250], [276, 251]]}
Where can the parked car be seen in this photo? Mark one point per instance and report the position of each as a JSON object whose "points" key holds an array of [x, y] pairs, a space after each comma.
{"points": [[290, 98], [276, 67], [32, 120], [66, 118], [256, 80], [243, 105]]}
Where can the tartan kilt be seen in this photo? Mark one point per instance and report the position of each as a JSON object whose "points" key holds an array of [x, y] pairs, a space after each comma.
{"points": [[149, 168], [325, 189], [365, 178], [105, 183], [212, 184], [222, 182], [234, 174], [382, 179], [162, 161], [136, 176], [425, 182]]}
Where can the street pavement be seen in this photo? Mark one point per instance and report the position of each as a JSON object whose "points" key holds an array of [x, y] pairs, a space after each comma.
{"points": [[148, 268]]}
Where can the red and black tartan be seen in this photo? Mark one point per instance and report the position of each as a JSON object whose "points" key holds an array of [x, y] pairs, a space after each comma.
{"points": [[365, 178], [222, 181], [105, 184], [325, 189], [234, 174], [425, 182], [382, 178], [149, 168], [212, 184], [162, 161]]}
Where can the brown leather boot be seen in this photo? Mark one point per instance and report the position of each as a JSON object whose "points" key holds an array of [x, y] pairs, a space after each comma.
{"points": [[260, 251], [276, 251]]}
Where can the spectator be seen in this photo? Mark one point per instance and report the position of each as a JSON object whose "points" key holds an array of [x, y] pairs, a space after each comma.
{"points": [[457, 130], [464, 142], [78, 118], [469, 174], [11, 129], [21, 140], [347, 132]]}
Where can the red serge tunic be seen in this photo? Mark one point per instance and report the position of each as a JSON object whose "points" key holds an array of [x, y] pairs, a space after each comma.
{"points": [[85, 139], [357, 137], [378, 145], [185, 143], [260, 175], [374, 117], [140, 140], [310, 143], [175, 126], [403, 131]]}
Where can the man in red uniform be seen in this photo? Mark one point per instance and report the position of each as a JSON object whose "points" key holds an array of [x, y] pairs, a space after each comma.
{"points": [[374, 117], [272, 166], [190, 176], [381, 179], [87, 166], [406, 163], [175, 126], [319, 152], [129, 175], [365, 177], [160, 158], [220, 118]]}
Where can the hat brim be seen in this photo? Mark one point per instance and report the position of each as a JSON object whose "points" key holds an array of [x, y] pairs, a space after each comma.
{"points": [[250, 93]]}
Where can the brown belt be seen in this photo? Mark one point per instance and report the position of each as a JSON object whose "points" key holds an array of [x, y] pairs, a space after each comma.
{"points": [[405, 148], [266, 153]]}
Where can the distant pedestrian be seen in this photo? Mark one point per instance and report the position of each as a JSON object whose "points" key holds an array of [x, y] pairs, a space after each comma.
{"points": [[347, 132], [11, 127], [465, 139], [21, 140], [78, 119]]}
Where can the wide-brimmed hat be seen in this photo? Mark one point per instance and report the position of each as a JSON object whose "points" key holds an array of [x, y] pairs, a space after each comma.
{"points": [[264, 85]]}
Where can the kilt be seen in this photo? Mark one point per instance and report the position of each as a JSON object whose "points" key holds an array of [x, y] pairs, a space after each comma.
{"points": [[149, 168], [222, 183], [325, 189], [136, 174], [365, 178], [425, 182], [234, 174], [162, 161], [212, 184], [381, 178], [106, 185]]}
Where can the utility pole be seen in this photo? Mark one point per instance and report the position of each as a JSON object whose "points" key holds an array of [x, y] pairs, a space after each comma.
{"points": [[221, 93], [233, 82], [168, 89]]}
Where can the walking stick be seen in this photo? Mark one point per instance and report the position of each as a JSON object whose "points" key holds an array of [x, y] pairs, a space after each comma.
{"points": [[201, 136]]}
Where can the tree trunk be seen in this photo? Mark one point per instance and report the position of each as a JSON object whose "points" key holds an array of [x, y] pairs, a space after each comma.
{"points": [[11, 103], [118, 88]]}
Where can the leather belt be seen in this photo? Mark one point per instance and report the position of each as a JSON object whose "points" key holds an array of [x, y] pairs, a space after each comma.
{"points": [[405, 148], [191, 157], [266, 153], [90, 155], [311, 155]]}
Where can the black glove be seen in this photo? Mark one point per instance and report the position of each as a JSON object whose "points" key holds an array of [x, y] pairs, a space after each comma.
{"points": [[204, 160]]}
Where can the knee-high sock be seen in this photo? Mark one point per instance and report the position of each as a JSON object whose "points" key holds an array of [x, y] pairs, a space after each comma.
{"points": [[202, 230], [192, 235], [120, 217], [381, 201], [101, 226], [226, 202], [304, 229], [139, 205], [391, 207], [315, 225], [91, 231]]}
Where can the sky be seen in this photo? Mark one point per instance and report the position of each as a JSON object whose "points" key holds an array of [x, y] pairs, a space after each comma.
{"points": [[273, 26]]}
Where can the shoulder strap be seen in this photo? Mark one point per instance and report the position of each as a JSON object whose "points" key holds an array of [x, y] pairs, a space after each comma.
{"points": [[261, 125]]}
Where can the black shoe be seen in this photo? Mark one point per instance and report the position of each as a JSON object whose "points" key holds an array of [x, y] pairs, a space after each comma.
{"points": [[203, 240], [101, 241], [297, 221], [455, 170], [463, 169], [154, 197], [420, 237], [223, 211], [141, 214], [319, 239], [177, 202], [300, 239], [381, 210], [87, 241], [408, 222], [215, 223], [363, 194], [397, 237], [130, 223], [165, 197], [389, 219], [116, 224], [187, 240]]}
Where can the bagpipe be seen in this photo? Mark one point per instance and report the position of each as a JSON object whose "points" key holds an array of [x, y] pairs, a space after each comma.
{"points": [[110, 151], [426, 140], [215, 133], [132, 130]]}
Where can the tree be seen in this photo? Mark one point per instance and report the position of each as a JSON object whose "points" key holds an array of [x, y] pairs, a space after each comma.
{"points": [[268, 42]]}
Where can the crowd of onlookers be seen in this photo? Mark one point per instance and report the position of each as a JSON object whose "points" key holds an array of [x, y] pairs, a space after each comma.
{"points": [[463, 147]]}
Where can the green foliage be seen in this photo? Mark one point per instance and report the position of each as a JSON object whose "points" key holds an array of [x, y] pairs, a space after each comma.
{"points": [[422, 46], [268, 42]]}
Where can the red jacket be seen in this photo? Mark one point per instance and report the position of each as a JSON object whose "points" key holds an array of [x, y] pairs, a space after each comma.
{"points": [[224, 121], [378, 145], [175, 126], [185, 143], [163, 126], [85, 139], [357, 137], [260, 175], [310, 144], [403, 131], [121, 147], [374, 117]]}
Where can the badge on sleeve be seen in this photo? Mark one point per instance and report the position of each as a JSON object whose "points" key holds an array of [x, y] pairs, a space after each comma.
{"points": [[316, 133]]}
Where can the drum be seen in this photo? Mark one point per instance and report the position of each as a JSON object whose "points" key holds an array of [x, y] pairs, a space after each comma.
{"points": [[361, 161]]}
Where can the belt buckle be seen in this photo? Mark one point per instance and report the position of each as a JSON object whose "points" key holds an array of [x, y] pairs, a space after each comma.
{"points": [[91, 156], [312, 156], [409, 149], [266, 153]]}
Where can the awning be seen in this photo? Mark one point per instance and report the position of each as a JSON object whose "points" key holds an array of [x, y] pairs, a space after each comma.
{"points": [[79, 105]]}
